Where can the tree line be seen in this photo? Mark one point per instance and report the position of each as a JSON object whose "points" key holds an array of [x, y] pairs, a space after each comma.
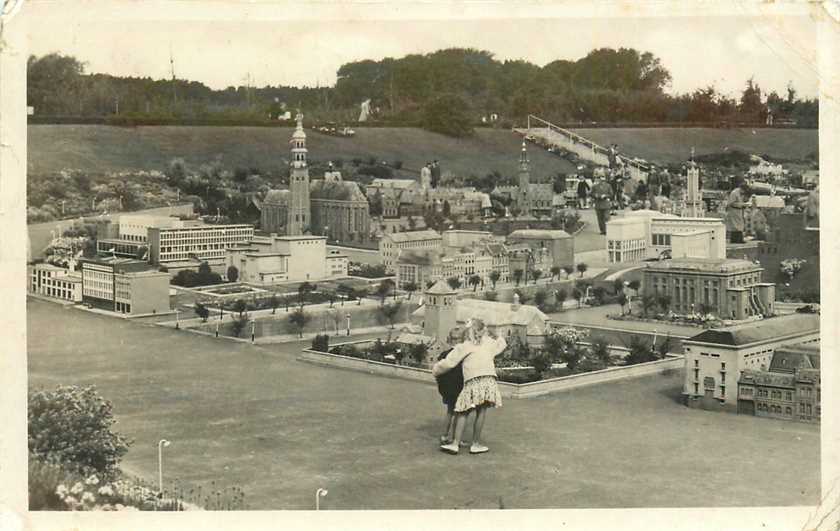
{"points": [[448, 90]]}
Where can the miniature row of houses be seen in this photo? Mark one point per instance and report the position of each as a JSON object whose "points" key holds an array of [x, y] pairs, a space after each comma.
{"points": [[421, 257], [766, 368]]}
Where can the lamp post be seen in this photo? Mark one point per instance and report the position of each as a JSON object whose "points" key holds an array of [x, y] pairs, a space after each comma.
{"points": [[161, 444], [348, 323], [320, 493], [177, 320], [217, 328], [253, 329]]}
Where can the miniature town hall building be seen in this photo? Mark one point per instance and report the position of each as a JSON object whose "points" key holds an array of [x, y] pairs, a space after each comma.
{"points": [[728, 288]]}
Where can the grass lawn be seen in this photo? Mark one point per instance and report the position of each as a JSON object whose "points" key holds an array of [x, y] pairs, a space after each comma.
{"points": [[252, 416], [101, 148], [673, 144]]}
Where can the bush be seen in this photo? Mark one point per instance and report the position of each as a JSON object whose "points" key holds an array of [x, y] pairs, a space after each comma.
{"points": [[541, 361], [321, 343], [519, 376], [71, 426]]}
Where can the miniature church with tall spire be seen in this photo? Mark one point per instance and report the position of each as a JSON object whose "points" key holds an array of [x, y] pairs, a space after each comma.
{"points": [[530, 198], [299, 211]]}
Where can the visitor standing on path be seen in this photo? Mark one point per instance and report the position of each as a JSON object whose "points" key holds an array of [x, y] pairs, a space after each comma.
{"points": [[435, 174], [601, 193], [450, 385], [582, 193], [480, 388], [736, 205]]}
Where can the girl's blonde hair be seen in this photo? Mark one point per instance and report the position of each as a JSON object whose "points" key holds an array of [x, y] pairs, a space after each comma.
{"points": [[477, 329]]}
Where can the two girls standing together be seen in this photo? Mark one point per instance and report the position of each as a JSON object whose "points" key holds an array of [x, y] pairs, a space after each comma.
{"points": [[467, 382]]}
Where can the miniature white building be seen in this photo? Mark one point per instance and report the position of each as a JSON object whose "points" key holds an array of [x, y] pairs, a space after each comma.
{"points": [[627, 239], [269, 259], [443, 311], [648, 234]]}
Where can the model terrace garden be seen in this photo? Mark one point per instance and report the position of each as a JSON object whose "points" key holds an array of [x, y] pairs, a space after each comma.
{"points": [[564, 353]]}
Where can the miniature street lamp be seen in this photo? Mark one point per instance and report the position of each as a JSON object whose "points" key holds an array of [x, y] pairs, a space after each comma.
{"points": [[161, 444], [348, 323], [177, 320], [253, 329], [217, 328], [320, 493]]}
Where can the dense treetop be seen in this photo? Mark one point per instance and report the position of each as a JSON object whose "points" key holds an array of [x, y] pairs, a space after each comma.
{"points": [[447, 91]]}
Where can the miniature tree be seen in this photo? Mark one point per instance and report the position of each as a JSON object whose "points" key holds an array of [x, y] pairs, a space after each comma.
{"points": [[555, 271], [232, 274], [582, 267], [454, 282], [517, 275], [560, 296], [202, 311], [474, 281], [390, 312], [298, 320], [622, 300], [536, 274], [494, 277], [568, 269], [578, 294]]}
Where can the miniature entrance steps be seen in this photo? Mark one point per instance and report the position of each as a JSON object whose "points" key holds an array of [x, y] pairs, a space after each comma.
{"points": [[548, 134]]}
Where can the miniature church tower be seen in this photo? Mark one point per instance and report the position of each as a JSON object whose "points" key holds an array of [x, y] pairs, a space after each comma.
{"points": [[298, 212], [694, 196], [524, 182], [441, 311]]}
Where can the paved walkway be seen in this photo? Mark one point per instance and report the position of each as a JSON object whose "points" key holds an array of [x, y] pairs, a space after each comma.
{"points": [[598, 316], [254, 417]]}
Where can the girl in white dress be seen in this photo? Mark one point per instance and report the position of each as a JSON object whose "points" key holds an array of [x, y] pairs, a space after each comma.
{"points": [[480, 388]]}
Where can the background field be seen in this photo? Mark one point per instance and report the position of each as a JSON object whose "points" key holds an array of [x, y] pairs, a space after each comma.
{"points": [[99, 148], [673, 144]]}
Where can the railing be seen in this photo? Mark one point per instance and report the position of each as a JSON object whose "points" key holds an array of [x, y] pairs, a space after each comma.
{"points": [[587, 148]]}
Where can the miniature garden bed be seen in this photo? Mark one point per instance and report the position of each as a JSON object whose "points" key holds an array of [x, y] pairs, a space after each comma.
{"points": [[559, 383]]}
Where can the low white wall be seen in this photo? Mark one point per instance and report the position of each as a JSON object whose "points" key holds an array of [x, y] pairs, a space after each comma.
{"points": [[508, 390]]}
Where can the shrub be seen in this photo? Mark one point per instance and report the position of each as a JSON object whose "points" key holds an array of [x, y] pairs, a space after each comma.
{"points": [[519, 377], [239, 323], [640, 352], [72, 426], [541, 361], [321, 343]]}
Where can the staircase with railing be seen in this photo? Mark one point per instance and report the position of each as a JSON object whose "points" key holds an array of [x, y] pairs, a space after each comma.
{"points": [[549, 134]]}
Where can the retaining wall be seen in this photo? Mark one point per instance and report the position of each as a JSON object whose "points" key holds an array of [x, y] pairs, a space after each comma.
{"points": [[508, 390]]}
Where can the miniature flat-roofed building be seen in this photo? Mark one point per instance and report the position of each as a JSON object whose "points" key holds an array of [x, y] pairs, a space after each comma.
{"points": [[465, 238], [627, 240], [56, 282], [694, 244], [715, 358], [200, 241], [124, 285], [559, 244], [728, 288], [662, 229], [269, 259], [391, 245]]}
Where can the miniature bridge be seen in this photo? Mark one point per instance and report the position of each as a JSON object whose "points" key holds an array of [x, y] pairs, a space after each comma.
{"points": [[550, 135]]}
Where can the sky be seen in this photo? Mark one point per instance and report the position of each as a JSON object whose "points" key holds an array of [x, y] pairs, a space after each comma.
{"points": [[698, 51]]}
